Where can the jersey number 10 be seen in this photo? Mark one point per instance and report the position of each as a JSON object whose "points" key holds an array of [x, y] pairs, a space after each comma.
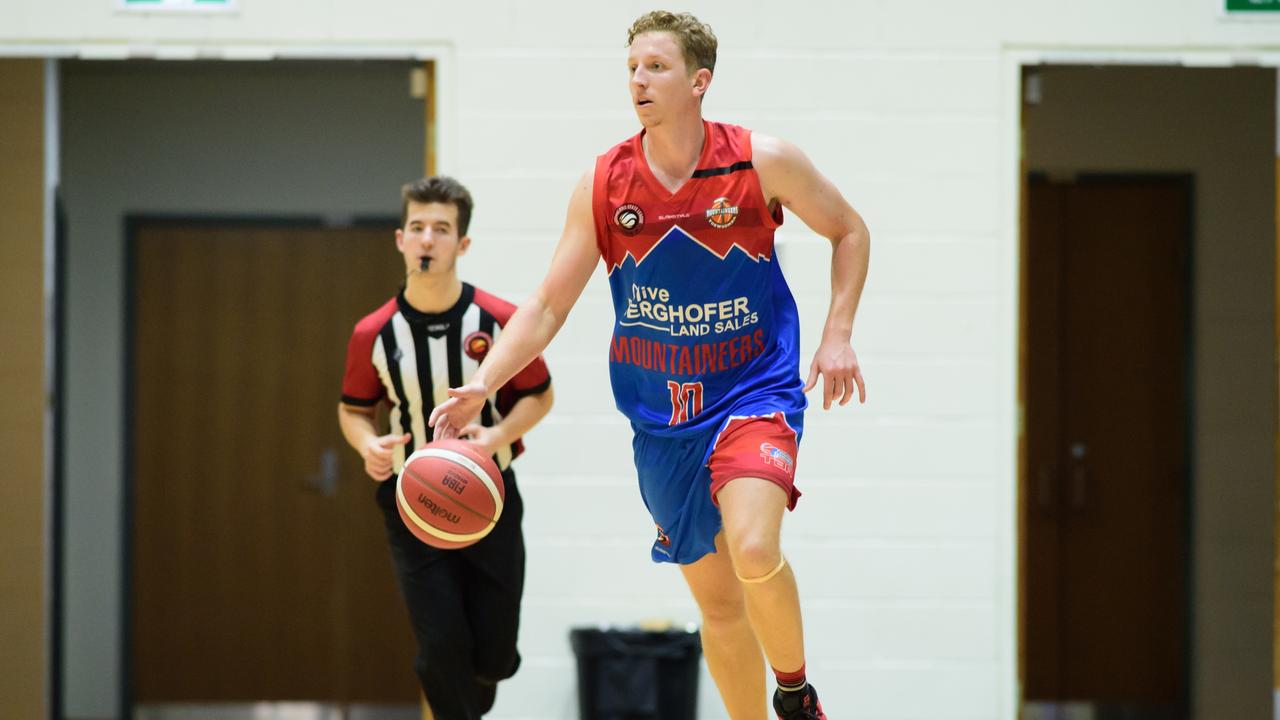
{"points": [[686, 401]]}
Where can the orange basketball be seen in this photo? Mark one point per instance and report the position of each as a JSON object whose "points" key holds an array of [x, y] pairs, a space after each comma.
{"points": [[449, 494]]}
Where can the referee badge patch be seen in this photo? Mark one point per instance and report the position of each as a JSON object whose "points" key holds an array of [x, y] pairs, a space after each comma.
{"points": [[477, 345]]}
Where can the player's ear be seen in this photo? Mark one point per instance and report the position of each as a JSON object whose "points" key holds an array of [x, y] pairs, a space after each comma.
{"points": [[701, 81], [464, 242], [400, 239]]}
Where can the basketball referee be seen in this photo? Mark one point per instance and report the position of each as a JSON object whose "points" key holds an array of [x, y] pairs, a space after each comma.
{"points": [[464, 604]]}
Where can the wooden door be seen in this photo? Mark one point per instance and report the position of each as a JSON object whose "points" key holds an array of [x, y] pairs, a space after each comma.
{"points": [[1107, 417], [259, 567]]}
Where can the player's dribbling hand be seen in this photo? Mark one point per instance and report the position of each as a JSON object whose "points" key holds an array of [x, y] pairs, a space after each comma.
{"points": [[377, 455], [454, 414], [838, 365]]}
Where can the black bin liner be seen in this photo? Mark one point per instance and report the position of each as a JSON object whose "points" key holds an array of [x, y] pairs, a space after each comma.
{"points": [[636, 674]]}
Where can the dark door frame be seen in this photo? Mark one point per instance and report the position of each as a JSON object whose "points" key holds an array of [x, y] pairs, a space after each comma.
{"points": [[1085, 178]]}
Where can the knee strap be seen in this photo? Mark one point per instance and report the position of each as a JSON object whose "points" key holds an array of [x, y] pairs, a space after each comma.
{"points": [[764, 578]]}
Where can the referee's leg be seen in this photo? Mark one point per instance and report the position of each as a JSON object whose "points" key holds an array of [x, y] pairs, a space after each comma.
{"points": [[432, 584], [495, 585]]}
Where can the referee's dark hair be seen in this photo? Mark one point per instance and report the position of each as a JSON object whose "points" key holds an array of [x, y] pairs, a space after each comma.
{"points": [[438, 189]]}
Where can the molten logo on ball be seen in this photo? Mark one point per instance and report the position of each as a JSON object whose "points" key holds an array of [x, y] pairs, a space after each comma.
{"points": [[436, 510]]}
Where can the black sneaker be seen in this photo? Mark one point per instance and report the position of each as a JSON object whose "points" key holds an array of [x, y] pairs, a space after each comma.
{"points": [[801, 705]]}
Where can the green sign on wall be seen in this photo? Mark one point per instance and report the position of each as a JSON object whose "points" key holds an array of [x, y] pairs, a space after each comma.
{"points": [[1253, 6], [177, 5]]}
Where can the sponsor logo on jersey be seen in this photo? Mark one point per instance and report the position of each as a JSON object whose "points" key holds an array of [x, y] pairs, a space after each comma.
{"points": [[721, 214], [663, 539], [477, 345], [654, 308], [776, 457], [629, 218]]}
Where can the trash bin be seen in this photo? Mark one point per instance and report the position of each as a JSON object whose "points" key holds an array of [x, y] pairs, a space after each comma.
{"points": [[637, 674]]}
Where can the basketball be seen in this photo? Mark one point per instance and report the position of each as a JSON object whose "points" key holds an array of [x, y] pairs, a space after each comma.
{"points": [[449, 494]]}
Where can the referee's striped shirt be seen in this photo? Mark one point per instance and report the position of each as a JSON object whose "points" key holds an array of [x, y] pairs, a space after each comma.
{"points": [[410, 359]]}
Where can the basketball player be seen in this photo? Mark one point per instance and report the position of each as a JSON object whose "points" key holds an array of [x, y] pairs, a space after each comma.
{"points": [[705, 353], [464, 604]]}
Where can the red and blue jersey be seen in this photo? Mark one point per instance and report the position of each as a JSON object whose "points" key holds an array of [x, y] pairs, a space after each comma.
{"points": [[706, 327]]}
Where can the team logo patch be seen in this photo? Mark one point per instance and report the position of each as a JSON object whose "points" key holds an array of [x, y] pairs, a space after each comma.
{"points": [[663, 540], [776, 457], [629, 218], [721, 214], [477, 345]]}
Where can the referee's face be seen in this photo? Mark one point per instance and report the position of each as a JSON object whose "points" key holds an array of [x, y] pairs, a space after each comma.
{"points": [[431, 232]]}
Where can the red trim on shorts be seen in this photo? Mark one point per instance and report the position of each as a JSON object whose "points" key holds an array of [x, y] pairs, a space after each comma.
{"points": [[761, 446]]}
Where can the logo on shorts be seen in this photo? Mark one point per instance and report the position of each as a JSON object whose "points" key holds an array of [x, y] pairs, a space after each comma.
{"points": [[776, 457], [477, 345], [629, 218], [721, 214], [663, 540]]}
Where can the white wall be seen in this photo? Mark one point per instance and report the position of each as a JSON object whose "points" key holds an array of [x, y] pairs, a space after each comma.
{"points": [[904, 542]]}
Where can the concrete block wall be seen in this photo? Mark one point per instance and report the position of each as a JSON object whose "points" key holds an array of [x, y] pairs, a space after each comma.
{"points": [[905, 541]]}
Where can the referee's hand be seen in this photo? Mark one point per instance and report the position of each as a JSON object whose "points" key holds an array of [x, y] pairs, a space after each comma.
{"points": [[377, 455], [463, 406]]}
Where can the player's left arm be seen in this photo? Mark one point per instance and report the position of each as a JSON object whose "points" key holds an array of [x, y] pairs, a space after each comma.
{"points": [[787, 176], [525, 413]]}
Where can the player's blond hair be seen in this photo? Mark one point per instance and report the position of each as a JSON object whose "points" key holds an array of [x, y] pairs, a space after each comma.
{"points": [[695, 37]]}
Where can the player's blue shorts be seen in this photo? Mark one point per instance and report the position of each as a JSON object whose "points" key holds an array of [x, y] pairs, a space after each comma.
{"points": [[679, 476]]}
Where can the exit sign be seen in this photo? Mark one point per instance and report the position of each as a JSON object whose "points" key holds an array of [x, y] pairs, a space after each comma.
{"points": [[1245, 7], [179, 6]]}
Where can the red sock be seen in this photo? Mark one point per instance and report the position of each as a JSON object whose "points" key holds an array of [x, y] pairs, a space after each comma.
{"points": [[790, 681]]}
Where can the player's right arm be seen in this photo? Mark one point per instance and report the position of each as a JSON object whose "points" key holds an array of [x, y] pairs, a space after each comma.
{"points": [[536, 321], [361, 431]]}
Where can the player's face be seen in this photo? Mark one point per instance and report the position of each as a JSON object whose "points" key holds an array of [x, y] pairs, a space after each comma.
{"points": [[661, 85], [431, 231]]}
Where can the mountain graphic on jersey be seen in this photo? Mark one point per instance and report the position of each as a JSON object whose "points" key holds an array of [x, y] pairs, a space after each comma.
{"points": [[639, 248]]}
